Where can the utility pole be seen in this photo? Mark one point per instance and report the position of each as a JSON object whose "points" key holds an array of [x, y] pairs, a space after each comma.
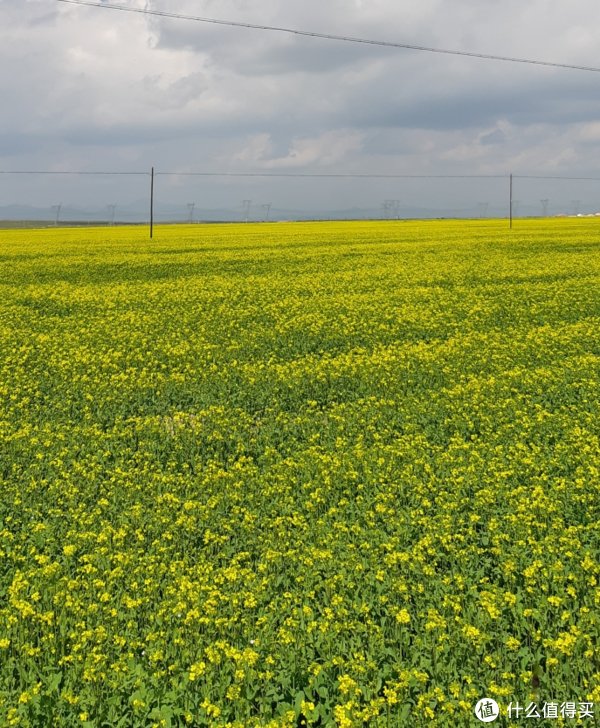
{"points": [[482, 208], [191, 206], [510, 208], [151, 202], [246, 204], [545, 207], [267, 208], [575, 204]]}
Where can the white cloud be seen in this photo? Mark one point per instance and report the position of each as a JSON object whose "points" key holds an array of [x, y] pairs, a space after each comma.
{"points": [[321, 151]]}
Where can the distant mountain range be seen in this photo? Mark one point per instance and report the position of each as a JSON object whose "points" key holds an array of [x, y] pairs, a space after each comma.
{"points": [[138, 212]]}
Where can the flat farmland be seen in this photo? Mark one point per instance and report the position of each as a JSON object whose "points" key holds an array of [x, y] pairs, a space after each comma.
{"points": [[299, 474]]}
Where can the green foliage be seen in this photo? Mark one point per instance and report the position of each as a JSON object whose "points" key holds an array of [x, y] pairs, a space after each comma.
{"points": [[298, 474]]}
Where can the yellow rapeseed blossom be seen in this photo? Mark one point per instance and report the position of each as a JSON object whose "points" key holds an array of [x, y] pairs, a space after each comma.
{"points": [[254, 475]]}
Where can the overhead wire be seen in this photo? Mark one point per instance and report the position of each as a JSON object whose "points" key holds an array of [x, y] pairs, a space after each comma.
{"points": [[329, 36], [69, 172], [298, 175], [343, 175]]}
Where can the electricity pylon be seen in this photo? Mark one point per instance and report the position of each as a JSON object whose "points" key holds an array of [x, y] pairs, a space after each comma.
{"points": [[112, 208], [57, 208], [246, 204], [391, 209]]}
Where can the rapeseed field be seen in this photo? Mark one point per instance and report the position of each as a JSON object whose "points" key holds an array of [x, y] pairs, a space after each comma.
{"points": [[304, 474]]}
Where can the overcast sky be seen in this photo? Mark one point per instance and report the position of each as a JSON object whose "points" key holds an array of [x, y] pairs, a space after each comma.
{"points": [[90, 88]]}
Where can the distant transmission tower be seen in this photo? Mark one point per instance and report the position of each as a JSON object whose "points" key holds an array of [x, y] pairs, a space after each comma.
{"points": [[267, 208], [575, 205], [391, 209], [111, 211], [57, 208], [482, 208], [246, 204], [191, 206], [545, 207]]}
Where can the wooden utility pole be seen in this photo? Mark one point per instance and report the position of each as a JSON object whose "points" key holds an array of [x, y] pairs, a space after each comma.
{"points": [[151, 202], [511, 201]]}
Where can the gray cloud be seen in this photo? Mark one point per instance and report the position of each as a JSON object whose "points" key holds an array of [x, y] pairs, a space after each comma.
{"points": [[86, 88]]}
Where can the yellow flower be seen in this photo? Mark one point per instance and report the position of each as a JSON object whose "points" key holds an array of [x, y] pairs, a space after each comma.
{"points": [[347, 685], [402, 616], [196, 670], [233, 692]]}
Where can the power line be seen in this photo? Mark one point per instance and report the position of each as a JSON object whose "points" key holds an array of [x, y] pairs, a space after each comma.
{"points": [[310, 175], [342, 175], [300, 175], [18, 171], [535, 176], [328, 36]]}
